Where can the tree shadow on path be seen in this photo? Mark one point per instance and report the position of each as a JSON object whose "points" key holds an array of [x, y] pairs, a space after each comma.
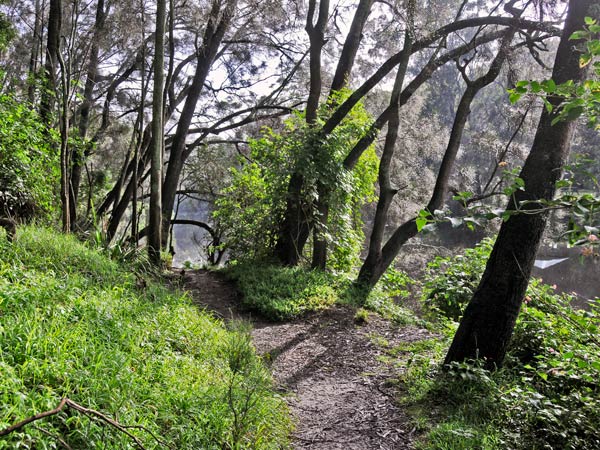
{"points": [[341, 393]]}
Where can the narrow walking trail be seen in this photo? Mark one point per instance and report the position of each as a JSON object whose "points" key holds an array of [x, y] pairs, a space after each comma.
{"points": [[341, 394]]}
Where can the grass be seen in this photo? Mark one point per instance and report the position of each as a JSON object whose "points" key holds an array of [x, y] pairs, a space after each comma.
{"points": [[73, 324], [283, 293], [286, 293]]}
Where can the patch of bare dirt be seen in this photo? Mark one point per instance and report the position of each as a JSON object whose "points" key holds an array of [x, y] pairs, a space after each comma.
{"points": [[340, 392]]}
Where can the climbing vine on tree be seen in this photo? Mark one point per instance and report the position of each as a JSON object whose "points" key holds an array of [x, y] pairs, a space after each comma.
{"points": [[251, 208]]}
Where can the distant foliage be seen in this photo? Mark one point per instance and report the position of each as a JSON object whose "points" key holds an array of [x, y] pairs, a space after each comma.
{"points": [[252, 207], [29, 169]]}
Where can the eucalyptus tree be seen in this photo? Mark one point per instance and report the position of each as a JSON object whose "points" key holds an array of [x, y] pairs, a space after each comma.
{"points": [[156, 145], [489, 319]]}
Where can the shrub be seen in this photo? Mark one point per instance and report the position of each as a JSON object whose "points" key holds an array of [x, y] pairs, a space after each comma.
{"points": [[29, 169], [548, 394], [451, 281]]}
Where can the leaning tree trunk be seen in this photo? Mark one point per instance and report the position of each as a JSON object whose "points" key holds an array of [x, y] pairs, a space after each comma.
{"points": [[381, 256], [80, 155], [489, 319], [217, 25]]}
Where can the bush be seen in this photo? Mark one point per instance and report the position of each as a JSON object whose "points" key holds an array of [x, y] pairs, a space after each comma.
{"points": [[29, 169], [74, 324], [451, 281]]}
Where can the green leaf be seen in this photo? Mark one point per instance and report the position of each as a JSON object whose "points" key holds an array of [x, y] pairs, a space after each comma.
{"points": [[519, 182], [543, 375], [581, 34], [589, 20], [421, 222], [514, 97], [585, 59], [549, 86]]}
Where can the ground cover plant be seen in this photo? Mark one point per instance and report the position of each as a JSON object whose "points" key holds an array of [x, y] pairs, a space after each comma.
{"points": [[547, 395], [75, 325], [287, 293], [283, 293]]}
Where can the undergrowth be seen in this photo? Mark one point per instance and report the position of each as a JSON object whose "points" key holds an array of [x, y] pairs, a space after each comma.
{"points": [[547, 395], [286, 293], [283, 293], [73, 324]]}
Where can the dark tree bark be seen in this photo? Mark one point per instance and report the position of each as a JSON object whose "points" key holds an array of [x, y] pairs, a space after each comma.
{"points": [[316, 36], [35, 51], [297, 221], [48, 99], [340, 80], [351, 44], [154, 216], [80, 156], [380, 256], [489, 319]]}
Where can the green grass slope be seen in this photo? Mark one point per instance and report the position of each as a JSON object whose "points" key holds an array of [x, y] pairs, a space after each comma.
{"points": [[73, 324]]}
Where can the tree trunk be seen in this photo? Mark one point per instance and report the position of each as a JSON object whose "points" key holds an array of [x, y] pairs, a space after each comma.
{"points": [[48, 98], [80, 156], [35, 51], [155, 222], [340, 80], [213, 36], [351, 44], [489, 319], [386, 191], [380, 258], [297, 220]]}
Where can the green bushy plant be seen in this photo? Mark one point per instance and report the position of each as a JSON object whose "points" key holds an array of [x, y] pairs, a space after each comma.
{"points": [[75, 324], [451, 281], [548, 394], [29, 169], [251, 209]]}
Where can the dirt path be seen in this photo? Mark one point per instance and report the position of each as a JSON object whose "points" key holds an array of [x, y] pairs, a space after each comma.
{"points": [[339, 390]]}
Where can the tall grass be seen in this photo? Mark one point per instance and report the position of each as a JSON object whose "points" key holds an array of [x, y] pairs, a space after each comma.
{"points": [[73, 324]]}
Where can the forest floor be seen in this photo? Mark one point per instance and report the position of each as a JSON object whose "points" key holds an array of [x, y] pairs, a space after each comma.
{"points": [[340, 390]]}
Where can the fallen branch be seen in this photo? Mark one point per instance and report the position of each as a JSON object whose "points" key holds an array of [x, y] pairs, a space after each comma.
{"points": [[39, 416], [91, 413]]}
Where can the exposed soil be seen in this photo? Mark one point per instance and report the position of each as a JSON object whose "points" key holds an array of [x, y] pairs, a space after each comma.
{"points": [[340, 392]]}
